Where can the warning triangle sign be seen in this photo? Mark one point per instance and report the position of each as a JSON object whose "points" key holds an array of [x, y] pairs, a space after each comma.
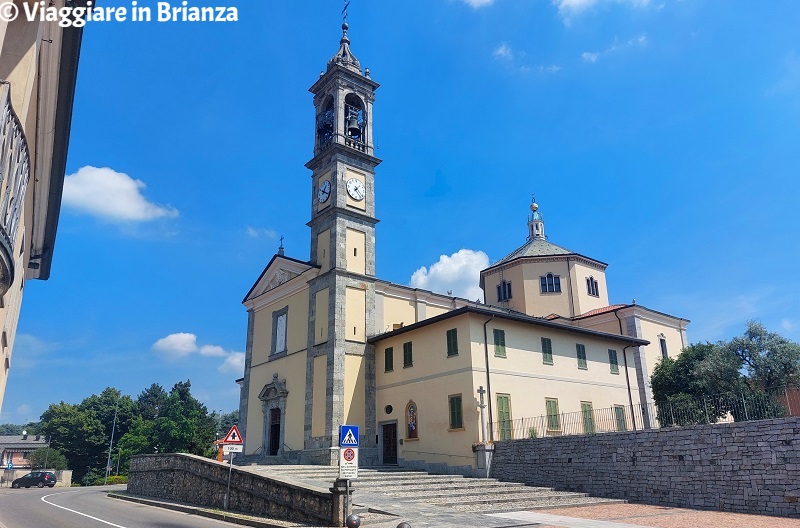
{"points": [[349, 439], [233, 437]]}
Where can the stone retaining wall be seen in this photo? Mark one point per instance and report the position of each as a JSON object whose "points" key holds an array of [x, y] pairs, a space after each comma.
{"points": [[751, 467], [203, 482]]}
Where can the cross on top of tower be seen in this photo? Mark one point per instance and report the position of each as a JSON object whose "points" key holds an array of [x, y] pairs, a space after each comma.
{"points": [[344, 57]]}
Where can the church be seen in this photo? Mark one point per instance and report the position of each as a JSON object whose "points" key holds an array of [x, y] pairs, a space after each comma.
{"points": [[430, 379]]}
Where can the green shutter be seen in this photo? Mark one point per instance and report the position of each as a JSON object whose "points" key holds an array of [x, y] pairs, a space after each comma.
{"points": [[619, 414], [452, 342], [499, 343], [612, 361], [553, 418], [456, 415], [581, 352], [547, 351], [388, 359], [408, 359], [588, 417], [504, 416]]}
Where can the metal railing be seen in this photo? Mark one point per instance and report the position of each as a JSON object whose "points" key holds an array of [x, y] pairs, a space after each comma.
{"points": [[15, 167], [745, 405]]}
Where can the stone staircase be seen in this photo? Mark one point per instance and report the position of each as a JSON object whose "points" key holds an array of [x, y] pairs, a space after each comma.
{"points": [[451, 491]]}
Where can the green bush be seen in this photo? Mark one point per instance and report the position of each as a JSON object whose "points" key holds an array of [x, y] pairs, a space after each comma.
{"points": [[532, 432], [112, 479]]}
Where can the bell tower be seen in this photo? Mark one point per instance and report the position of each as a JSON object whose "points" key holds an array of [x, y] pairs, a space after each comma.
{"points": [[340, 363]]}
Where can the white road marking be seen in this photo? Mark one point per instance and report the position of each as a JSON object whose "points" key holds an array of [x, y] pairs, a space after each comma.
{"points": [[75, 511]]}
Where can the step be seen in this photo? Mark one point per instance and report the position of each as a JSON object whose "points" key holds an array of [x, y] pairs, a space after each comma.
{"points": [[532, 498], [467, 493], [523, 505], [500, 486]]}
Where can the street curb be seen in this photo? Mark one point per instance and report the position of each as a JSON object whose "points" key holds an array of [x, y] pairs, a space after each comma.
{"points": [[195, 510]]}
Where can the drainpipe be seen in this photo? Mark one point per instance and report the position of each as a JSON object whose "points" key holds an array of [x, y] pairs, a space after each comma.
{"points": [[488, 381], [627, 379]]}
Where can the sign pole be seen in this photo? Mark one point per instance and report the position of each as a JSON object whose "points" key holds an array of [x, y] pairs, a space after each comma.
{"points": [[228, 491], [347, 500]]}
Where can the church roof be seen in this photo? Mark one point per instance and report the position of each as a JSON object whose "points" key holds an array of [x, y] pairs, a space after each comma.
{"points": [[536, 247]]}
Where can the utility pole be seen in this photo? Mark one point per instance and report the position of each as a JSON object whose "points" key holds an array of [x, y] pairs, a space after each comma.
{"points": [[111, 443]]}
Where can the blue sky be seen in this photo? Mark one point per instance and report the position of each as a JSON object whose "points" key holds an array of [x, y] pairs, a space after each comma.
{"points": [[661, 137]]}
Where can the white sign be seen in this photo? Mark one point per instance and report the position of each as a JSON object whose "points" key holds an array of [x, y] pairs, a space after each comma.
{"points": [[232, 448], [348, 463]]}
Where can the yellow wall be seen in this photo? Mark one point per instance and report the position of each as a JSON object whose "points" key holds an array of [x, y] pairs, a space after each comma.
{"points": [[515, 276], [429, 382], [583, 301], [318, 403], [354, 390], [356, 260], [650, 332], [321, 316], [355, 315], [292, 369], [324, 250], [397, 312], [296, 330]]}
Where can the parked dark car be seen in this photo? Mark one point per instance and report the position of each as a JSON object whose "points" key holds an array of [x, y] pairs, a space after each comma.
{"points": [[39, 479]]}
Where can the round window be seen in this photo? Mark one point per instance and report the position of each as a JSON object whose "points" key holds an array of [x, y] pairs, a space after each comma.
{"points": [[388, 409]]}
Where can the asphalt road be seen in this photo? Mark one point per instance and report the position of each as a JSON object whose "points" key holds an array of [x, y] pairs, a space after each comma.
{"points": [[88, 508]]}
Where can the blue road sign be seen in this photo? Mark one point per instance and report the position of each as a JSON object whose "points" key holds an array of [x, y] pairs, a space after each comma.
{"points": [[10, 466], [348, 435]]}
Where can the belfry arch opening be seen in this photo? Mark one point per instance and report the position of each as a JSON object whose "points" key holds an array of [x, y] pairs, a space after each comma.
{"points": [[325, 123], [355, 118]]}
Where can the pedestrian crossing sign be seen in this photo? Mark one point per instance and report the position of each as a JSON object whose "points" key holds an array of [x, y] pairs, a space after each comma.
{"points": [[348, 435]]}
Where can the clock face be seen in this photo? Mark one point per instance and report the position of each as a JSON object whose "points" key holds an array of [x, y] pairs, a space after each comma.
{"points": [[356, 190], [324, 191]]}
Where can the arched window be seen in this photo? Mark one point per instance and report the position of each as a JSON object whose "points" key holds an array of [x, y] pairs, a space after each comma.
{"points": [[550, 283], [412, 426], [592, 287], [325, 123]]}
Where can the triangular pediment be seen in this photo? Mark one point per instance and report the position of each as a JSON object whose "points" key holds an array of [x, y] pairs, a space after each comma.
{"points": [[280, 270]]}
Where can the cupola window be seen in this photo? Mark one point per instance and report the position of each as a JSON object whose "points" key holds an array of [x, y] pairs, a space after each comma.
{"points": [[550, 283], [504, 291], [592, 287]]}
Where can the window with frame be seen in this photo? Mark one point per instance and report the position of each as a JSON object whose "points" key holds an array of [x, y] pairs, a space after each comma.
{"points": [[452, 342], [388, 359], [613, 362], [504, 291], [619, 418], [408, 357], [553, 416], [662, 341], [580, 351], [456, 412], [279, 328], [412, 425], [550, 283], [504, 416], [547, 351], [592, 287], [499, 342]]}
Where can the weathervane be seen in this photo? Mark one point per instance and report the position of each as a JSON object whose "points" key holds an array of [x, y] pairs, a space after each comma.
{"points": [[344, 11]]}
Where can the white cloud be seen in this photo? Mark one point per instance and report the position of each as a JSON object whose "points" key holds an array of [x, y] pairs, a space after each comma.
{"points": [[176, 346], [233, 364], [503, 51], [788, 325], [261, 232], [475, 4], [24, 409], [459, 272], [592, 57], [212, 351], [111, 195], [574, 7], [181, 345]]}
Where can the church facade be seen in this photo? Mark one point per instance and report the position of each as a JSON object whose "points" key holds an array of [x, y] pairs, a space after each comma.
{"points": [[426, 376]]}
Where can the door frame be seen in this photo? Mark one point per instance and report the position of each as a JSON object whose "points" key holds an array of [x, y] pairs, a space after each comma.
{"points": [[380, 439]]}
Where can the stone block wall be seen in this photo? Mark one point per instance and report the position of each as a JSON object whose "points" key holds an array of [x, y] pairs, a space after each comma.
{"points": [[203, 482], [751, 467]]}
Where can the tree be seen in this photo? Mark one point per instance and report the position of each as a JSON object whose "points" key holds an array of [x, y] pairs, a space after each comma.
{"points": [[10, 429], [78, 433], [707, 381], [48, 458], [150, 401]]}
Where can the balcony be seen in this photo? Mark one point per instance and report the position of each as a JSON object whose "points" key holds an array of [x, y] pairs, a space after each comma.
{"points": [[15, 168]]}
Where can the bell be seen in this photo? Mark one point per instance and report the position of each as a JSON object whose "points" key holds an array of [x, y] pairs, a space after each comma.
{"points": [[353, 130]]}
